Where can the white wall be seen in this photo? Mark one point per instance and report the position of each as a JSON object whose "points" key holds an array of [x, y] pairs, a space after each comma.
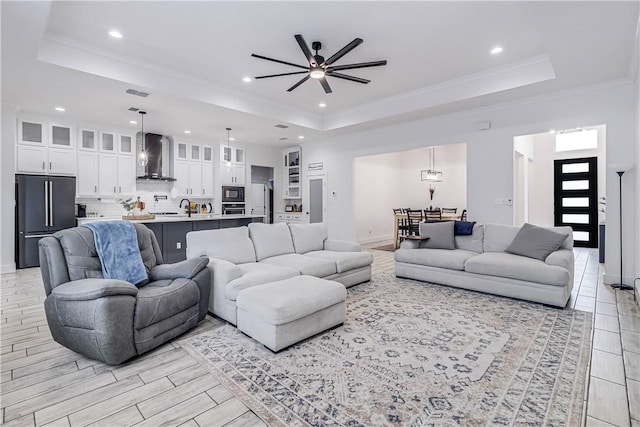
{"points": [[7, 188], [490, 153], [386, 181]]}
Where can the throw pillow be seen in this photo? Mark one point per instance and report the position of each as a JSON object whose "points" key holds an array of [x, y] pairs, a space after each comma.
{"points": [[535, 242], [463, 228], [440, 235]]}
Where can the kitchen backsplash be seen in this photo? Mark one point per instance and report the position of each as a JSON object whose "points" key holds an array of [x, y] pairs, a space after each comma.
{"points": [[146, 190]]}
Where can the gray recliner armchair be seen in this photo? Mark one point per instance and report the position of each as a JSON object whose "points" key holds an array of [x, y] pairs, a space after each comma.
{"points": [[114, 320]]}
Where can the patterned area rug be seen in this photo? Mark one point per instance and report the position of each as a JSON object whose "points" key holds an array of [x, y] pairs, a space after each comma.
{"points": [[415, 354]]}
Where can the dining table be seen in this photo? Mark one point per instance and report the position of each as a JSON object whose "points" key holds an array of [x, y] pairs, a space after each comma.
{"points": [[399, 216]]}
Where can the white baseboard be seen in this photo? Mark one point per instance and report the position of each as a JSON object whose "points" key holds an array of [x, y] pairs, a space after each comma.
{"points": [[609, 279], [8, 268], [373, 239]]}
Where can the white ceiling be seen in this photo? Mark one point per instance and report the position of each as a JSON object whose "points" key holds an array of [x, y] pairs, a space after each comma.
{"points": [[191, 57]]}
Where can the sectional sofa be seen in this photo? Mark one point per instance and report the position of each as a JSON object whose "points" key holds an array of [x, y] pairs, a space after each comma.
{"points": [[479, 262], [244, 257]]}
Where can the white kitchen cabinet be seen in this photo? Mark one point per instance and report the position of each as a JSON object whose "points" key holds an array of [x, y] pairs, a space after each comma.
{"points": [[33, 159], [231, 154], [181, 174], [181, 151], [88, 140], [126, 176], [126, 144], [195, 180], [233, 175], [207, 180], [195, 151], [31, 132], [87, 181], [107, 142], [61, 136], [108, 175], [207, 153], [238, 155]]}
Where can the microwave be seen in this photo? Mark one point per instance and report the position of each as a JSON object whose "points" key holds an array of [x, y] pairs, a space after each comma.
{"points": [[232, 194]]}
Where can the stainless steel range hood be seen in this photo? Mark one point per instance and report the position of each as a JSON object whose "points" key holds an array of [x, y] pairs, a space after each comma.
{"points": [[154, 146]]}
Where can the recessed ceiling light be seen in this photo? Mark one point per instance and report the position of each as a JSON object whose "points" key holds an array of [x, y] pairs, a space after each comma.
{"points": [[300, 136], [246, 79], [496, 50], [115, 34], [322, 105], [552, 131], [60, 109], [133, 122], [187, 131], [232, 139]]}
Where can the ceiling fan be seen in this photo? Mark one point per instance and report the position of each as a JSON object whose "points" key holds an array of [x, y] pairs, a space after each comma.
{"points": [[319, 68]]}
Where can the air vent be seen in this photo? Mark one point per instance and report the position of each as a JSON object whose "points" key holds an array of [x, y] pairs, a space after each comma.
{"points": [[136, 93], [283, 138], [134, 109], [282, 126]]}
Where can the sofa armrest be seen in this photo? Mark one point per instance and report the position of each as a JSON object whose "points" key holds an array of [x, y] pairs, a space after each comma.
{"points": [[223, 271], [186, 269], [410, 244], [562, 258], [91, 289], [341, 246]]}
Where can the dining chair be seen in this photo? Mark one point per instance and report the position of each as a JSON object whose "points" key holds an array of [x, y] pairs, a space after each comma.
{"points": [[433, 215], [449, 210], [463, 216], [403, 225], [414, 218]]}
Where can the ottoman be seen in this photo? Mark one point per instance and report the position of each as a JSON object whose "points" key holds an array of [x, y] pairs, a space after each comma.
{"points": [[281, 313]]}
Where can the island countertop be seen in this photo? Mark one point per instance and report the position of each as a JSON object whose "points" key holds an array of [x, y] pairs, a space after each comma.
{"points": [[171, 218]]}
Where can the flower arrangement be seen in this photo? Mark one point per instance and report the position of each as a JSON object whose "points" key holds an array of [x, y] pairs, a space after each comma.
{"points": [[128, 204], [431, 191]]}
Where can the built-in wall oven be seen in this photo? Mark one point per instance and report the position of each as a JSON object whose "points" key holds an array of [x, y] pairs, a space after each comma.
{"points": [[233, 209], [232, 194]]}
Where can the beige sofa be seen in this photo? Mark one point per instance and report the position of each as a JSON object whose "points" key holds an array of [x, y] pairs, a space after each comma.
{"points": [[243, 257], [479, 262]]}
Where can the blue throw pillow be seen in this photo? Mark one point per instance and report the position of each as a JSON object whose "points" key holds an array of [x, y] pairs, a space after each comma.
{"points": [[463, 228]]}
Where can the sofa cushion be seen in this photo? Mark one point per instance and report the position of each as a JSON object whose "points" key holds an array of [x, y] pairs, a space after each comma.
{"points": [[289, 300], [473, 242], [518, 267], [308, 237], [229, 244], [271, 239], [255, 274], [162, 299], [498, 237], [310, 266], [442, 258], [440, 235], [345, 261], [535, 242]]}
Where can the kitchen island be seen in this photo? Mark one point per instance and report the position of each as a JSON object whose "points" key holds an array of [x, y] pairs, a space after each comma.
{"points": [[171, 230]]}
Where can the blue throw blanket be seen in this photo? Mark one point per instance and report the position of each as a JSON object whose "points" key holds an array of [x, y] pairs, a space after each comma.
{"points": [[117, 247]]}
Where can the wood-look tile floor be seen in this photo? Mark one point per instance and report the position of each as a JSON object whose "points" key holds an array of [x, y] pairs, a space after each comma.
{"points": [[43, 383]]}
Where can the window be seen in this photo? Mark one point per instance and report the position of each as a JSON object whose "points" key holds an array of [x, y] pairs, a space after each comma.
{"points": [[579, 140]]}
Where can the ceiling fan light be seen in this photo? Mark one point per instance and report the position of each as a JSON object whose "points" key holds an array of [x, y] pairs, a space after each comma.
{"points": [[316, 73]]}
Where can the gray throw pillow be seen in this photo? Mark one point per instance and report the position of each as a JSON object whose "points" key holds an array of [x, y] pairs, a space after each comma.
{"points": [[440, 235], [535, 242]]}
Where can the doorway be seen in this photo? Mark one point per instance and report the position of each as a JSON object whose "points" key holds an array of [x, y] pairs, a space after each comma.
{"points": [[261, 192], [576, 198], [317, 191]]}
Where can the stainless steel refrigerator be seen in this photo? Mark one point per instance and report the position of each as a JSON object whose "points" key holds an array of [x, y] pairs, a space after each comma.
{"points": [[44, 205]]}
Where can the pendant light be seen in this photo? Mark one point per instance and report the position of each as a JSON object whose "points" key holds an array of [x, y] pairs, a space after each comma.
{"points": [[228, 150], [143, 159], [431, 174]]}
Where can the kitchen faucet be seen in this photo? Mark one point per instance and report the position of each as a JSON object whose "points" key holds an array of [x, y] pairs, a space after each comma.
{"points": [[188, 206]]}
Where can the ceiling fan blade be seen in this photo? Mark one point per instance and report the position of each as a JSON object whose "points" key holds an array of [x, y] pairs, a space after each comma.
{"points": [[325, 85], [342, 52], [278, 75], [358, 65], [304, 79], [279, 61], [305, 49], [347, 77]]}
